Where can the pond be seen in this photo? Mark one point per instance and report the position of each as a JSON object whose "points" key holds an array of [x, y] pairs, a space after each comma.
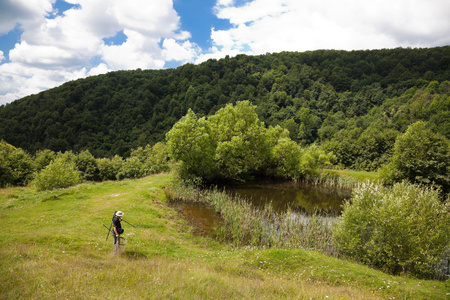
{"points": [[302, 198]]}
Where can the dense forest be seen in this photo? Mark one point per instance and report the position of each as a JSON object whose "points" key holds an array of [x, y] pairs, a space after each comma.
{"points": [[354, 103]]}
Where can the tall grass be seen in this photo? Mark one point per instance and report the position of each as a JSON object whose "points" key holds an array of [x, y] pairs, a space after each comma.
{"points": [[333, 179], [246, 225]]}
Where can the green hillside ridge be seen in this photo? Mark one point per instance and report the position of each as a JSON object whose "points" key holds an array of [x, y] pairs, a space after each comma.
{"points": [[53, 247], [320, 96]]}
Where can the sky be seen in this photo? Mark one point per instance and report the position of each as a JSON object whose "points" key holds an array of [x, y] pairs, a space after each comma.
{"points": [[44, 43]]}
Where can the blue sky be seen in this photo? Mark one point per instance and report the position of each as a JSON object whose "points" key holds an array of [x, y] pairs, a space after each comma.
{"points": [[44, 43]]}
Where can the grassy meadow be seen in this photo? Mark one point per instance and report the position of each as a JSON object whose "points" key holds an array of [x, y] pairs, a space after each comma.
{"points": [[53, 247]]}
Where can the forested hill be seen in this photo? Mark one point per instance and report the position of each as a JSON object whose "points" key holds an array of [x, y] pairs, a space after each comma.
{"points": [[321, 96]]}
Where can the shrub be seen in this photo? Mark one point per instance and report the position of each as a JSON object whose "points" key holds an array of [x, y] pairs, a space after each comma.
{"points": [[16, 166], [420, 156], [60, 173], [152, 159], [43, 159], [131, 168], [87, 165], [313, 159], [109, 168], [286, 154], [402, 229]]}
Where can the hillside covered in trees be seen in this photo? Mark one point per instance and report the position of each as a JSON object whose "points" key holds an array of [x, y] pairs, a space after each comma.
{"points": [[352, 103]]}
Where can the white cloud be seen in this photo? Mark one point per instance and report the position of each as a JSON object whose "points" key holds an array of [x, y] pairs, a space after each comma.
{"points": [[100, 69], [55, 50], [30, 80], [13, 12], [61, 48], [184, 51], [264, 26], [135, 53]]}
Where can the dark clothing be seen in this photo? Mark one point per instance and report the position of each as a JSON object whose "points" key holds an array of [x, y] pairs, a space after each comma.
{"points": [[118, 226], [116, 222]]}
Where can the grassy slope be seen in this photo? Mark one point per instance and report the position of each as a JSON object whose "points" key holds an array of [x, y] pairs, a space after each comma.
{"points": [[53, 246]]}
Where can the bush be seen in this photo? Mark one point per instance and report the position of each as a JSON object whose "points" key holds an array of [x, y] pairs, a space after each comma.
{"points": [[16, 166], [403, 229], [43, 158], [313, 159], [158, 160], [109, 168], [151, 159], [87, 165], [420, 156], [131, 168], [60, 173]]}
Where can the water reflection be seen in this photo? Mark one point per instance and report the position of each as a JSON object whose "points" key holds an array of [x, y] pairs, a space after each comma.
{"points": [[202, 217], [301, 197]]}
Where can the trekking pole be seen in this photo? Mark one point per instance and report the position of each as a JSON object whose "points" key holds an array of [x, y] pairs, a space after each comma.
{"points": [[109, 230], [128, 223]]}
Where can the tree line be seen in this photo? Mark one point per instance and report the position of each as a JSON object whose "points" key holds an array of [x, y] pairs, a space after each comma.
{"points": [[231, 145], [47, 169], [319, 96]]}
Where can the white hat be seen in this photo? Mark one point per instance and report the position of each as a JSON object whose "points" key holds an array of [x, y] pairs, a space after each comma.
{"points": [[119, 213]]}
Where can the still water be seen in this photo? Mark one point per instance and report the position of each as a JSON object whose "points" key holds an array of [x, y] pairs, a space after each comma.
{"points": [[300, 197]]}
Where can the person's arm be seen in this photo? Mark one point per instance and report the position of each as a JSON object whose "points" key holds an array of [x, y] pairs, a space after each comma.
{"points": [[115, 231]]}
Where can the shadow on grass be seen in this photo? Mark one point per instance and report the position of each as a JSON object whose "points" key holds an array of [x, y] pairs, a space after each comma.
{"points": [[134, 254]]}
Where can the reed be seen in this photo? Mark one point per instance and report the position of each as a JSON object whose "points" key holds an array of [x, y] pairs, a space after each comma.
{"points": [[246, 225], [332, 179]]}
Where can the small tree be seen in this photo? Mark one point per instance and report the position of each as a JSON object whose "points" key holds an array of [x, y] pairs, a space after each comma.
{"points": [[60, 173], [242, 148], [43, 159], [313, 159], [287, 154], [420, 156], [405, 228], [190, 142], [158, 159], [87, 165], [109, 168], [16, 166]]}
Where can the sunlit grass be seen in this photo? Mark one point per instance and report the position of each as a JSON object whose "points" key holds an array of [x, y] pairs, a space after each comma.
{"points": [[358, 175], [53, 247]]}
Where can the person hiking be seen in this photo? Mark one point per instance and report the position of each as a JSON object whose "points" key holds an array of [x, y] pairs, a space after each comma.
{"points": [[117, 226]]}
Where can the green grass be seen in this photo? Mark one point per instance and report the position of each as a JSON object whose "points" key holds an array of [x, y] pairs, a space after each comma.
{"points": [[358, 175], [53, 247]]}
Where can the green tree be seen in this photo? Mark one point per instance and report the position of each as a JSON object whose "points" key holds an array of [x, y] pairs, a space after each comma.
{"points": [[374, 147], [87, 165], [190, 142], [420, 156], [286, 154], [313, 159], [43, 158], [240, 138], [109, 168], [405, 228], [158, 159], [16, 166], [60, 173]]}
